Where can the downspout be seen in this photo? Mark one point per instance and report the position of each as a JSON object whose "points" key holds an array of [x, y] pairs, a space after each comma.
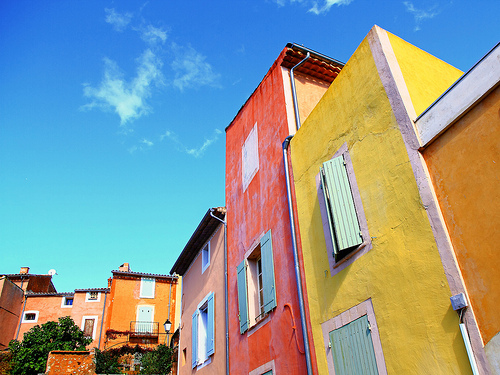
{"points": [[168, 313], [300, 292], [102, 320], [225, 287]]}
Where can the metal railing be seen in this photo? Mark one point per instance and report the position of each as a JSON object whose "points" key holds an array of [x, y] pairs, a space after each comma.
{"points": [[141, 329]]}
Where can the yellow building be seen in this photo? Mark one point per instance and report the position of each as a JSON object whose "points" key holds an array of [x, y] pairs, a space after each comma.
{"points": [[371, 235]]}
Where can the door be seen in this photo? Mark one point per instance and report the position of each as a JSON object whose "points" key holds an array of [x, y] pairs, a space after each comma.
{"points": [[144, 319]]}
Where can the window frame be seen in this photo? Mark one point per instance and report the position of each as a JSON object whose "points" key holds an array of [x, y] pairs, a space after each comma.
{"points": [[143, 283], [88, 299], [250, 157], [64, 305], [352, 254], [24, 320], [205, 308], [205, 257], [95, 318]]}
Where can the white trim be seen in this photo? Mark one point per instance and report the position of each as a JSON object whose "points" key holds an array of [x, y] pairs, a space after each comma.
{"points": [[30, 312], [250, 157], [460, 97], [264, 368], [141, 295], [63, 302], [90, 317], [205, 266], [87, 297]]}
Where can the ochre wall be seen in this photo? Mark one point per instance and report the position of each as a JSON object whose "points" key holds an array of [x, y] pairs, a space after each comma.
{"points": [[196, 286], [402, 274], [11, 302], [464, 164]]}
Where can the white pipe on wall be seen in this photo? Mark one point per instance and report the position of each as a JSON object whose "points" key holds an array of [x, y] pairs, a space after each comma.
{"points": [[468, 346]]}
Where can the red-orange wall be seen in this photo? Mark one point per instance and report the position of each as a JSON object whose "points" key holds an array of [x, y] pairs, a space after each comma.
{"points": [[11, 302]]}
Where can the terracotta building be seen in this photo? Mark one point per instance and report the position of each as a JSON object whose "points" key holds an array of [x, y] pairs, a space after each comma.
{"points": [[11, 301], [203, 343]]}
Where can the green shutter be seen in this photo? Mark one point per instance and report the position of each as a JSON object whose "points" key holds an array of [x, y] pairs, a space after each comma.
{"points": [[194, 338], [352, 349], [269, 289], [210, 325], [243, 296], [340, 205]]}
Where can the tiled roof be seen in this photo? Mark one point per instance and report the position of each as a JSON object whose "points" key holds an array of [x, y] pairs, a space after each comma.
{"points": [[92, 290], [35, 294], [142, 274]]}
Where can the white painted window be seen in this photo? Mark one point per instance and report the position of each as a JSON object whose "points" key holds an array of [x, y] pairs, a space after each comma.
{"points": [[203, 332], [89, 326], [147, 287], [67, 302], [205, 257], [250, 157], [93, 297], [144, 319], [30, 316]]}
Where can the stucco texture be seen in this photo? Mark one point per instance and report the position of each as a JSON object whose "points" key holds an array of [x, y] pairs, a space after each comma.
{"points": [[464, 164], [402, 274]]}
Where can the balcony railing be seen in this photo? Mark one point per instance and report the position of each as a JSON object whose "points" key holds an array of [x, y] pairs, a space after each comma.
{"points": [[144, 329]]}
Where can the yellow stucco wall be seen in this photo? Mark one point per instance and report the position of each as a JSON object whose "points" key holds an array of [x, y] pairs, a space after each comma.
{"points": [[426, 76], [402, 274]]}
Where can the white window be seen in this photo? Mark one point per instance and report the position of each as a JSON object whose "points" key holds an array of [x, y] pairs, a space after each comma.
{"points": [[203, 335], [256, 284], [67, 302], [144, 319], [147, 287], [89, 326], [250, 157], [92, 297], [205, 257], [30, 316]]}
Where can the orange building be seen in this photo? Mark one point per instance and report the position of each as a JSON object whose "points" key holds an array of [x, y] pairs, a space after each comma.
{"points": [[267, 317], [460, 141], [11, 301], [139, 305], [85, 306], [202, 346]]}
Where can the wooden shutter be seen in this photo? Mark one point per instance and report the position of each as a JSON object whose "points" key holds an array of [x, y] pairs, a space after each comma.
{"points": [[352, 348], [243, 296], [88, 328], [210, 325], [341, 211], [194, 338], [266, 254], [147, 287]]}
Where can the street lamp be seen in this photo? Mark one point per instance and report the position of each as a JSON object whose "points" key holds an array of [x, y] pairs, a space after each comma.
{"points": [[167, 325]]}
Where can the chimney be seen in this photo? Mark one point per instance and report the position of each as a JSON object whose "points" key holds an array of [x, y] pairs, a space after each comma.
{"points": [[110, 280], [24, 270], [124, 267]]}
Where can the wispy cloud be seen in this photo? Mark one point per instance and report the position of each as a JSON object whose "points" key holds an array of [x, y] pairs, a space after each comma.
{"points": [[118, 20], [127, 99], [196, 152], [144, 144], [420, 14], [191, 69], [153, 35], [319, 8]]}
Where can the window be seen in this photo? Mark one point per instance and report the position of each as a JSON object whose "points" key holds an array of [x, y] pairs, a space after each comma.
{"points": [[250, 157], [92, 297], [344, 222], [147, 287], [67, 302], [265, 369], [205, 257], [89, 326], [203, 335], [256, 285], [30, 317], [352, 342]]}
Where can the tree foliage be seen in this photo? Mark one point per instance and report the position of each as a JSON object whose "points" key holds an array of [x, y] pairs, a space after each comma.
{"points": [[30, 355], [158, 361]]}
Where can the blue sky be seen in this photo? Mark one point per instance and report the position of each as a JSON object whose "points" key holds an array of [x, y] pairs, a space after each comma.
{"points": [[112, 113]]}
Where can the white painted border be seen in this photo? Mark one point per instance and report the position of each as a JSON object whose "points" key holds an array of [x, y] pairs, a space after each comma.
{"points": [[264, 368], [460, 97], [63, 300], [355, 312], [95, 318], [87, 297], [30, 312]]}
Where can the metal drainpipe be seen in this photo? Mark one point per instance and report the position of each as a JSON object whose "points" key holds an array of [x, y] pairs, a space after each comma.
{"points": [[296, 259], [102, 320], [300, 292], [225, 287], [169, 300]]}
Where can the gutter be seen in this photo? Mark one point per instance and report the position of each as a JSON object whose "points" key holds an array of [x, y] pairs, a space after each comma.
{"points": [[225, 285]]}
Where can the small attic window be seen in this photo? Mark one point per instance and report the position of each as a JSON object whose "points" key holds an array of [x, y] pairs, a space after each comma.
{"points": [[205, 257], [67, 301]]}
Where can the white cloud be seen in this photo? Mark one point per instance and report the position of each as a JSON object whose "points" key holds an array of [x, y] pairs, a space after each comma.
{"points": [[119, 21], [319, 9], [191, 69], [127, 99], [147, 142], [196, 152], [420, 14], [153, 35]]}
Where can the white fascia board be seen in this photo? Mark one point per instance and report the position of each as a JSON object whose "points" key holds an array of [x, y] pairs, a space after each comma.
{"points": [[460, 97]]}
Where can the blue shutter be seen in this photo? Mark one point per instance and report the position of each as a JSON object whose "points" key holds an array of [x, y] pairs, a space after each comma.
{"points": [[266, 254], [340, 205], [352, 349], [210, 325], [243, 296], [194, 332]]}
